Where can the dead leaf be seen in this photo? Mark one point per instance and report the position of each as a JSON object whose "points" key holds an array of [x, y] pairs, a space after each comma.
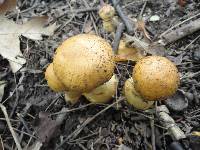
{"points": [[9, 38], [47, 127], [88, 27], [34, 29], [128, 53], [140, 25], [7, 5], [156, 49]]}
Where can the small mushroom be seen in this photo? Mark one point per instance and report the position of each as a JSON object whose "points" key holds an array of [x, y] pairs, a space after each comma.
{"points": [[108, 26], [82, 63], [134, 98], [156, 78], [107, 13]]}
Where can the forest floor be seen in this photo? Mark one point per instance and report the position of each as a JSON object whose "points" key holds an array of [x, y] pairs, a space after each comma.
{"points": [[33, 108]]}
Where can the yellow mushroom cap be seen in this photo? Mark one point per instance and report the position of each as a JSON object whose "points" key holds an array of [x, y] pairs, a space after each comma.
{"points": [[83, 62], [133, 97], [106, 12], [52, 80], [155, 78]]}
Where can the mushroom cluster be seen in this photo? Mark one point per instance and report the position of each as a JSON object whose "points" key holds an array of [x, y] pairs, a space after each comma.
{"points": [[84, 65], [154, 78], [81, 66]]}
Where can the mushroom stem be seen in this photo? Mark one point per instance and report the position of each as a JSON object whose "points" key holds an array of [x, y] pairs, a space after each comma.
{"points": [[133, 97], [72, 97], [103, 93]]}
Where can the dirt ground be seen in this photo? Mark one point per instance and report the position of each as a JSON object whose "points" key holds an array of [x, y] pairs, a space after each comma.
{"points": [[31, 104]]}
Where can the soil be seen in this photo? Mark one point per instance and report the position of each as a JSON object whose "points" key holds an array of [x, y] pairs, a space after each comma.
{"points": [[118, 125]]}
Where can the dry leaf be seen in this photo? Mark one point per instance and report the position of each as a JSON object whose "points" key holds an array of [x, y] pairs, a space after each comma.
{"points": [[128, 53], [9, 38], [34, 29], [141, 27], [47, 127], [7, 5], [88, 27]]}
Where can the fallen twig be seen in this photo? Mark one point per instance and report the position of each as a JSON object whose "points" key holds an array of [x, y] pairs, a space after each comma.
{"points": [[117, 38], [71, 110], [3, 108], [176, 25], [124, 18], [91, 17], [85, 123], [181, 32], [2, 145], [153, 138], [169, 123], [76, 11]]}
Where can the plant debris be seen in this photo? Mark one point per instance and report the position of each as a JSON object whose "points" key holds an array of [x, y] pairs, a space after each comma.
{"points": [[11, 31], [173, 31]]}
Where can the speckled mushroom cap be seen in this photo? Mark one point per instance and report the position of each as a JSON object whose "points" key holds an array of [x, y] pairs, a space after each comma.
{"points": [[83, 62], [155, 78], [106, 12]]}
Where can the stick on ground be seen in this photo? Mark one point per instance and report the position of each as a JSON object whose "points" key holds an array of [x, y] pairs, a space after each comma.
{"points": [[124, 18], [85, 123], [181, 32], [3, 108], [118, 34]]}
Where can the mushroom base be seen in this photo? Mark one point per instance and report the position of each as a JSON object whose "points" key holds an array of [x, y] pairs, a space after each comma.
{"points": [[134, 98], [72, 97], [103, 93]]}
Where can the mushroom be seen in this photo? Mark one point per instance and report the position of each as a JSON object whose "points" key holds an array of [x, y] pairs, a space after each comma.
{"points": [[82, 63], [106, 13], [155, 78], [133, 97]]}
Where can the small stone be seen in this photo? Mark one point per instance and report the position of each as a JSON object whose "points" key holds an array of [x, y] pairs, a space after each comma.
{"points": [[154, 18]]}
